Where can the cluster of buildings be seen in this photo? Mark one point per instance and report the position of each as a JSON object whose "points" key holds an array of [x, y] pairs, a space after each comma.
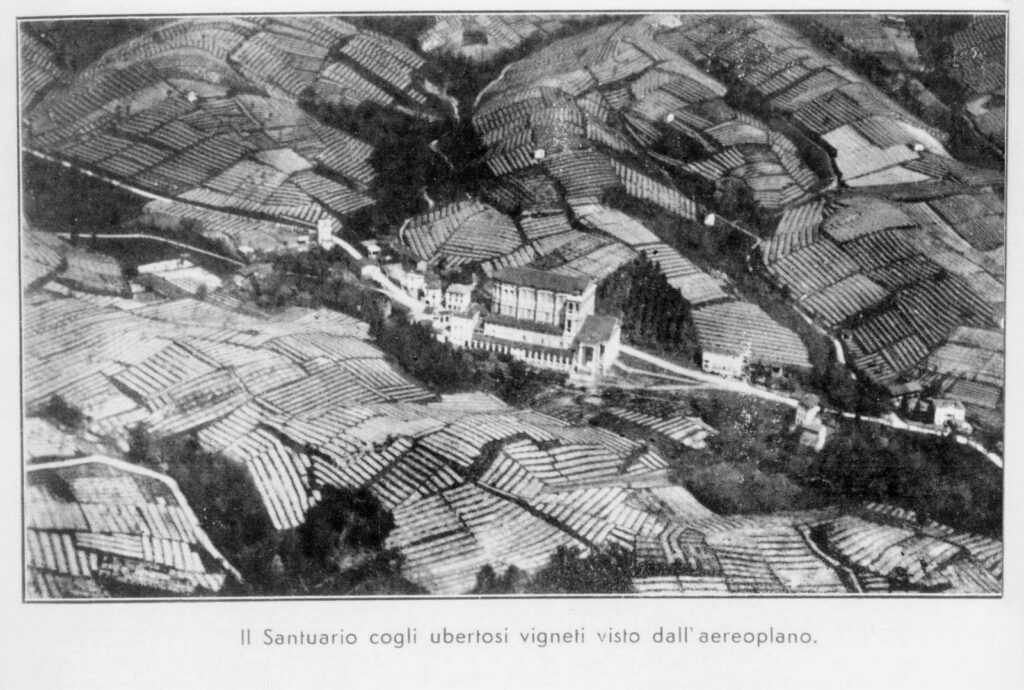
{"points": [[543, 318]]}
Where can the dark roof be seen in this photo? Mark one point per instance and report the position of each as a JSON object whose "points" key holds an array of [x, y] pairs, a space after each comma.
{"points": [[536, 326], [542, 280], [596, 330], [898, 389]]}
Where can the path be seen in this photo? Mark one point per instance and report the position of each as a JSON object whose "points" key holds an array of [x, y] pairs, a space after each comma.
{"points": [[892, 420], [154, 238], [716, 381]]}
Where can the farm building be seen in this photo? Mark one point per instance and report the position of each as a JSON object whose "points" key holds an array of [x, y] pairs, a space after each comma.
{"points": [[92, 272], [725, 361], [177, 278]]}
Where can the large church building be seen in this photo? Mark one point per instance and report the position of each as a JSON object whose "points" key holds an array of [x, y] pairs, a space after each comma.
{"points": [[539, 317]]}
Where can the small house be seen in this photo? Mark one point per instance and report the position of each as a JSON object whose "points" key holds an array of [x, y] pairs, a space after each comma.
{"points": [[457, 297], [949, 412], [597, 347], [432, 294]]}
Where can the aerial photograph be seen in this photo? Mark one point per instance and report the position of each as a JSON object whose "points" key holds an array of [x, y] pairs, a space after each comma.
{"points": [[410, 305]]}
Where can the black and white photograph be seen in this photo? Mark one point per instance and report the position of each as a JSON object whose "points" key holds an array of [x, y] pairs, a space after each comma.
{"points": [[513, 305]]}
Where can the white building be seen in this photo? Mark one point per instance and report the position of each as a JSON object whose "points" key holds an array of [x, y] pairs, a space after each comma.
{"points": [[547, 320], [325, 232], [949, 412], [812, 429], [176, 277], [411, 281], [597, 348], [725, 361], [458, 328], [371, 247], [458, 297], [541, 298], [432, 295]]}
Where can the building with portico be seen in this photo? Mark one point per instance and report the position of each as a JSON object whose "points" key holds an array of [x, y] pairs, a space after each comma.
{"points": [[547, 319]]}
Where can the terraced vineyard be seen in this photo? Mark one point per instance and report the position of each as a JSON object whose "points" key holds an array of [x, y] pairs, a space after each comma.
{"points": [[303, 401], [205, 112], [590, 143]]}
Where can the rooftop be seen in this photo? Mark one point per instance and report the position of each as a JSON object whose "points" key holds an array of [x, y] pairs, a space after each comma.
{"points": [[535, 326], [542, 280], [597, 330], [460, 288]]}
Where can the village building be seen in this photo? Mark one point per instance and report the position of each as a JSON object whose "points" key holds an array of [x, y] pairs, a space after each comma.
{"points": [[325, 232], [597, 348], [432, 294], [458, 328], [411, 281], [372, 248], [905, 396], [809, 424], [457, 297], [725, 361], [176, 278], [949, 412]]}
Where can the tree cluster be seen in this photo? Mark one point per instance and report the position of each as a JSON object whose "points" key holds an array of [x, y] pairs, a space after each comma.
{"points": [[339, 549], [440, 365], [58, 410], [651, 308], [602, 571], [935, 476]]}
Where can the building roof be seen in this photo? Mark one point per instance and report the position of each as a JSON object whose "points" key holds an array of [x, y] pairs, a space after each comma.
{"points": [[597, 330], [460, 288], [542, 280], [727, 350], [909, 388], [523, 325]]}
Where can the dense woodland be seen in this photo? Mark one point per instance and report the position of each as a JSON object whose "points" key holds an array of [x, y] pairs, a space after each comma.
{"points": [[755, 464]]}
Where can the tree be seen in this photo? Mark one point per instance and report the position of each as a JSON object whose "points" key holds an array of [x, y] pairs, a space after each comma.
{"points": [[140, 445], [344, 520], [514, 581], [58, 410], [603, 571]]}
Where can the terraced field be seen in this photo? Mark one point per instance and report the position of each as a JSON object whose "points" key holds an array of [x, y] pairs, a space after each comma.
{"points": [[206, 112], [95, 525], [303, 401], [898, 283], [901, 256]]}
